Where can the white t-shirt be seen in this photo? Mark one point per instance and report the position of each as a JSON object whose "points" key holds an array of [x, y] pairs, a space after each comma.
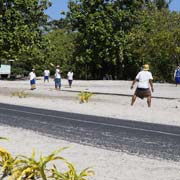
{"points": [[143, 78], [32, 75], [57, 75], [70, 75], [46, 72]]}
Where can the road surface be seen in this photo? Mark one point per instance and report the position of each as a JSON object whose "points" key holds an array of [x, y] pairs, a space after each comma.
{"points": [[152, 140]]}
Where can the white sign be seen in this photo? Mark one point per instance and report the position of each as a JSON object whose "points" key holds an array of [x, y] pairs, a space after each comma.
{"points": [[5, 69]]}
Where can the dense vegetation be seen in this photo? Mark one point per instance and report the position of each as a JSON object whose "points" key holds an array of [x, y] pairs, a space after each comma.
{"points": [[97, 38]]}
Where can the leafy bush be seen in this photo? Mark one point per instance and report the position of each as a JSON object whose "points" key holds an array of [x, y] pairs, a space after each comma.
{"points": [[84, 96], [71, 174], [28, 168], [6, 163], [20, 94]]}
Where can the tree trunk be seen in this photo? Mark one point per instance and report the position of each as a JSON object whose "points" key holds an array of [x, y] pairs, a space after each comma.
{"points": [[119, 67]]}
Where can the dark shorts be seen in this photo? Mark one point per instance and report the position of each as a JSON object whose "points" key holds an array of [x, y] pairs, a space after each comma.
{"points": [[70, 81], [33, 81], [177, 80], [46, 77], [142, 92], [57, 82]]}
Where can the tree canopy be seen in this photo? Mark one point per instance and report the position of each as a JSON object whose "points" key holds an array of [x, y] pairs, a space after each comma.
{"points": [[96, 38], [115, 36], [21, 29]]}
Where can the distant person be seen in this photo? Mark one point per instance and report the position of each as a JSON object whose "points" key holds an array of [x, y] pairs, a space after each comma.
{"points": [[70, 77], [57, 69], [144, 79], [46, 75], [32, 77], [177, 75], [57, 79]]}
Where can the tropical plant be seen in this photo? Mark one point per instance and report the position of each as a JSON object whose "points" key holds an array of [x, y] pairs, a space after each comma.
{"points": [[71, 174], [6, 163], [84, 96], [20, 94], [24, 168], [30, 168]]}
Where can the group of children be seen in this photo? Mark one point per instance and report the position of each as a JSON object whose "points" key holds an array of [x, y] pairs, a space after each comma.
{"points": [[57, 78]]}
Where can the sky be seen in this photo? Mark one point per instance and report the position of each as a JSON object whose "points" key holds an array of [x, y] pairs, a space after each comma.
{"points": [[61, 5]]}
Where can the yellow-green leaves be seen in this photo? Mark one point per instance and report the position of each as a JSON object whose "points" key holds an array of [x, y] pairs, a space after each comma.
{"points": [[25, 168], [84, 96], [20, 94], [6, 162], [71, 173]]}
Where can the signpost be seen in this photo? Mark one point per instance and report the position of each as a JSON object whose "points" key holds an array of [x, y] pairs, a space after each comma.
{"points": [[5, 70]]}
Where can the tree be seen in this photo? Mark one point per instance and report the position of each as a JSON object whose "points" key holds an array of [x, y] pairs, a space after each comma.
{"points": [[162, 3], [21, 29], [156, 41], [61, 45], [103, 27]]}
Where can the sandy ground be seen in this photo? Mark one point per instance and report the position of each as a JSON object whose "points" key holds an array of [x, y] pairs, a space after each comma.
{"points": [[108, 165]]}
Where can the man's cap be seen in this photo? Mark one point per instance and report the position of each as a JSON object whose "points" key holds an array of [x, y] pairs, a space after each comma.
{"points": [[145, 67]]}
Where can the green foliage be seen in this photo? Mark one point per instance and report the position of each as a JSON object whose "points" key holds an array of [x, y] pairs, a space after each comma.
{"points": [[20, 94], [95, 38], [84, 96], [156, 41], [103, 28], [21, 26], [23, 167], [117, 37], [71, 174], [31, 168], [62, 49], [6, 162]]}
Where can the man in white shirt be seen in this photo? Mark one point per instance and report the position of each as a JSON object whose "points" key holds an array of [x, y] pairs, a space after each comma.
{"points": [[144, 79], [32, 77], [70, 78], [57, 79], [46, 75]]}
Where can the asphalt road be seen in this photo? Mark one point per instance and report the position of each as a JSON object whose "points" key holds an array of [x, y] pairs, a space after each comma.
{"points": [[152, 140]]}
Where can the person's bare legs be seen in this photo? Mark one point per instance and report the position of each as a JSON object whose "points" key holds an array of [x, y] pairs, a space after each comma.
{"points": [[133, 99], [149, 101]]}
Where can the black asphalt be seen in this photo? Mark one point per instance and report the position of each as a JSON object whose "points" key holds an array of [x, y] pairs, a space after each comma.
{"points": [[152, 140]]}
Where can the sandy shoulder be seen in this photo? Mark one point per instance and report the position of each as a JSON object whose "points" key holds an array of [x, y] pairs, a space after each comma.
{"points": [[108, 165], [163, 111]]}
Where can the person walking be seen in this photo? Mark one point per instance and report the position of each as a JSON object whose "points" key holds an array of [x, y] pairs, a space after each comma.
{"points": [[70, 77], [177, 75], [32, 77], [57, 79], [46, 75], [144, 79]]}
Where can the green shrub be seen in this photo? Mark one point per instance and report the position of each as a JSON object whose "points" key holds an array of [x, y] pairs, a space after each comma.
{"points": [[28, 168], [84, 96], [20, 94]]}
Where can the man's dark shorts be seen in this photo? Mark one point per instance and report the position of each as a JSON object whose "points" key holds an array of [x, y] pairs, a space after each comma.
{"points": [[142, 92]]}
